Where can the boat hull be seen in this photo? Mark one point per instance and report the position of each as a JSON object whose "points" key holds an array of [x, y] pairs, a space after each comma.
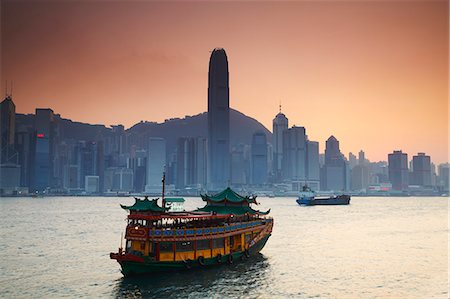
{"points": [[131, 268], [340, 200]]}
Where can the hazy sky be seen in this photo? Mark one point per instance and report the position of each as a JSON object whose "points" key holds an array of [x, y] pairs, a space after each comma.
{"points": [[372, 73]]}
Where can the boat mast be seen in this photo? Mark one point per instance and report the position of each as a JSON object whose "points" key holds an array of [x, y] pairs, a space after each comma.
{"points": [[163, 188]]}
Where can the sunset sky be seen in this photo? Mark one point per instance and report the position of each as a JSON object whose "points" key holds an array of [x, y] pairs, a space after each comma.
{"points": [[372, 73]]}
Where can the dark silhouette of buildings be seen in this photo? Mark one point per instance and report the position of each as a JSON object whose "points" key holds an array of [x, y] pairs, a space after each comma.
{"points": [[218, 121]]}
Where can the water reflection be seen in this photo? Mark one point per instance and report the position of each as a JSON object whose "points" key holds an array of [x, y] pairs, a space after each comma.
{"points": [[240, 280]]}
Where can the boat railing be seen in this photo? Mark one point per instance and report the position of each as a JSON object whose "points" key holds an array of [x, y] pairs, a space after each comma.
{"points": [[144, 232]]}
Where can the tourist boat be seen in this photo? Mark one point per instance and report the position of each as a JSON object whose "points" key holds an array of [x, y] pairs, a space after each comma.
{"points": [[308, 197], [225, 230]]}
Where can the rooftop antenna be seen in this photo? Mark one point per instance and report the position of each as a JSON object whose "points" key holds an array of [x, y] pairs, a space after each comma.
{"points": [[6, 88], [280, 106], [11, 91]]}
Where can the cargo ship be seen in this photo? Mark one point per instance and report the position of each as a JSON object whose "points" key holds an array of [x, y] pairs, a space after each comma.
{"points": [[307, 197], [225, 231]]}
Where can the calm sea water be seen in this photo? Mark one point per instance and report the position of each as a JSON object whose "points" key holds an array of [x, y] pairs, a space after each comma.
{"points": [[373, 248]]}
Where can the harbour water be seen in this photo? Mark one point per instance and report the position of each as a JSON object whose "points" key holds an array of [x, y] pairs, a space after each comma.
{"points": [[388, 247]]}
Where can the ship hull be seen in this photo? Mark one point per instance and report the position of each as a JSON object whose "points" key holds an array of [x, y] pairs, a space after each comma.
{"points": [[342, 200], [131, 268]]}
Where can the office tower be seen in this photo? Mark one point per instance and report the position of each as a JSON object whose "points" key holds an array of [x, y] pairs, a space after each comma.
{"points": [[398, 170], [352, 161], [24, 139], [156, 162], [361, 158], [91, 161], [259, 158], [359, 177], [43, 150], [444, 177], [240, 168], [218, 121], [191, 162], [294, 154], [280, 123], [138, 163], [421, 170], [335, 171], [92, 184], [7, 131], [312, 165]]}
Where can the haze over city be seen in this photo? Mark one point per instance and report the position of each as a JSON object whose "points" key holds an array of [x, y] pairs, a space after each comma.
{"points": [[375, 75]]}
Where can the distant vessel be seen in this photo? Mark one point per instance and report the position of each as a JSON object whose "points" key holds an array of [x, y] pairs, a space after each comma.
{"points": [[308, 197], [226, 230]]}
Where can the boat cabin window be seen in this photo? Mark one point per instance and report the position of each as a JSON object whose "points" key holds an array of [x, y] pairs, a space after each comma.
{"points": [[166, 247], [202, 244], [185, 246], [218, 243]]}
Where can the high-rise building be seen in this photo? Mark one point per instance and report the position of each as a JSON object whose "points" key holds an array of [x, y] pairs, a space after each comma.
{"points": [[300, 159], [398, 170], [335, 171], [43, 150], [7, 131], [218, 121], [421, 170], [156, 162], [240, 168], [294, 154], [444, 177], [191, 162], [259, 158], [280, 124]]}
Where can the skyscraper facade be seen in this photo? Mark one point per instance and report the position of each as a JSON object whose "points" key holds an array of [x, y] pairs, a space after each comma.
{"points": [[43, 150], [218, 120], [280, 124], [259, 158], [421, 174], [156, 161], [7, 131], [398, 170], [335, 171]]}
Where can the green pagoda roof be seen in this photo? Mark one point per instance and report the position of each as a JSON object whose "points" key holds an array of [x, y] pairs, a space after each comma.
{"points": [[235, 210], [228, 195], [144, 205]]}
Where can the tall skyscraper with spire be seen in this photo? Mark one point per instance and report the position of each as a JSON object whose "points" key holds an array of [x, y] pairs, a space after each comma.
{"points": [[280, 123], [218, 120]]}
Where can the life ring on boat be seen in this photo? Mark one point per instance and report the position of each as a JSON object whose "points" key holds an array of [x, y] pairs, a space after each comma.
{"points": [[201, 261], [247, 253], [230, 258], [219, 258]]}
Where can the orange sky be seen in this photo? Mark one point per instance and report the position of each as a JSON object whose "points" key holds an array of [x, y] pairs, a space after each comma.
{"points": [[373, 73]]}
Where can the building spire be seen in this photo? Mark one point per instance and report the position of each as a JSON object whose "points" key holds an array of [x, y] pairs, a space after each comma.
{"points": [[280, 106]]}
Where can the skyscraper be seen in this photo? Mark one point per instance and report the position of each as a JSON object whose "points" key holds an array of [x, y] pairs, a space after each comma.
{"points": [[398, 170], [191, 162], [156, 161], [7, 131], [43, 150], [421, 173], [280, 123], [335, 172], [218, 120], [294, 154], [259, 158]]}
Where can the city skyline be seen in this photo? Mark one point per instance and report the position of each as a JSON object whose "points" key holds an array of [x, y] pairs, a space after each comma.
{"points": [[335, 66]]}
